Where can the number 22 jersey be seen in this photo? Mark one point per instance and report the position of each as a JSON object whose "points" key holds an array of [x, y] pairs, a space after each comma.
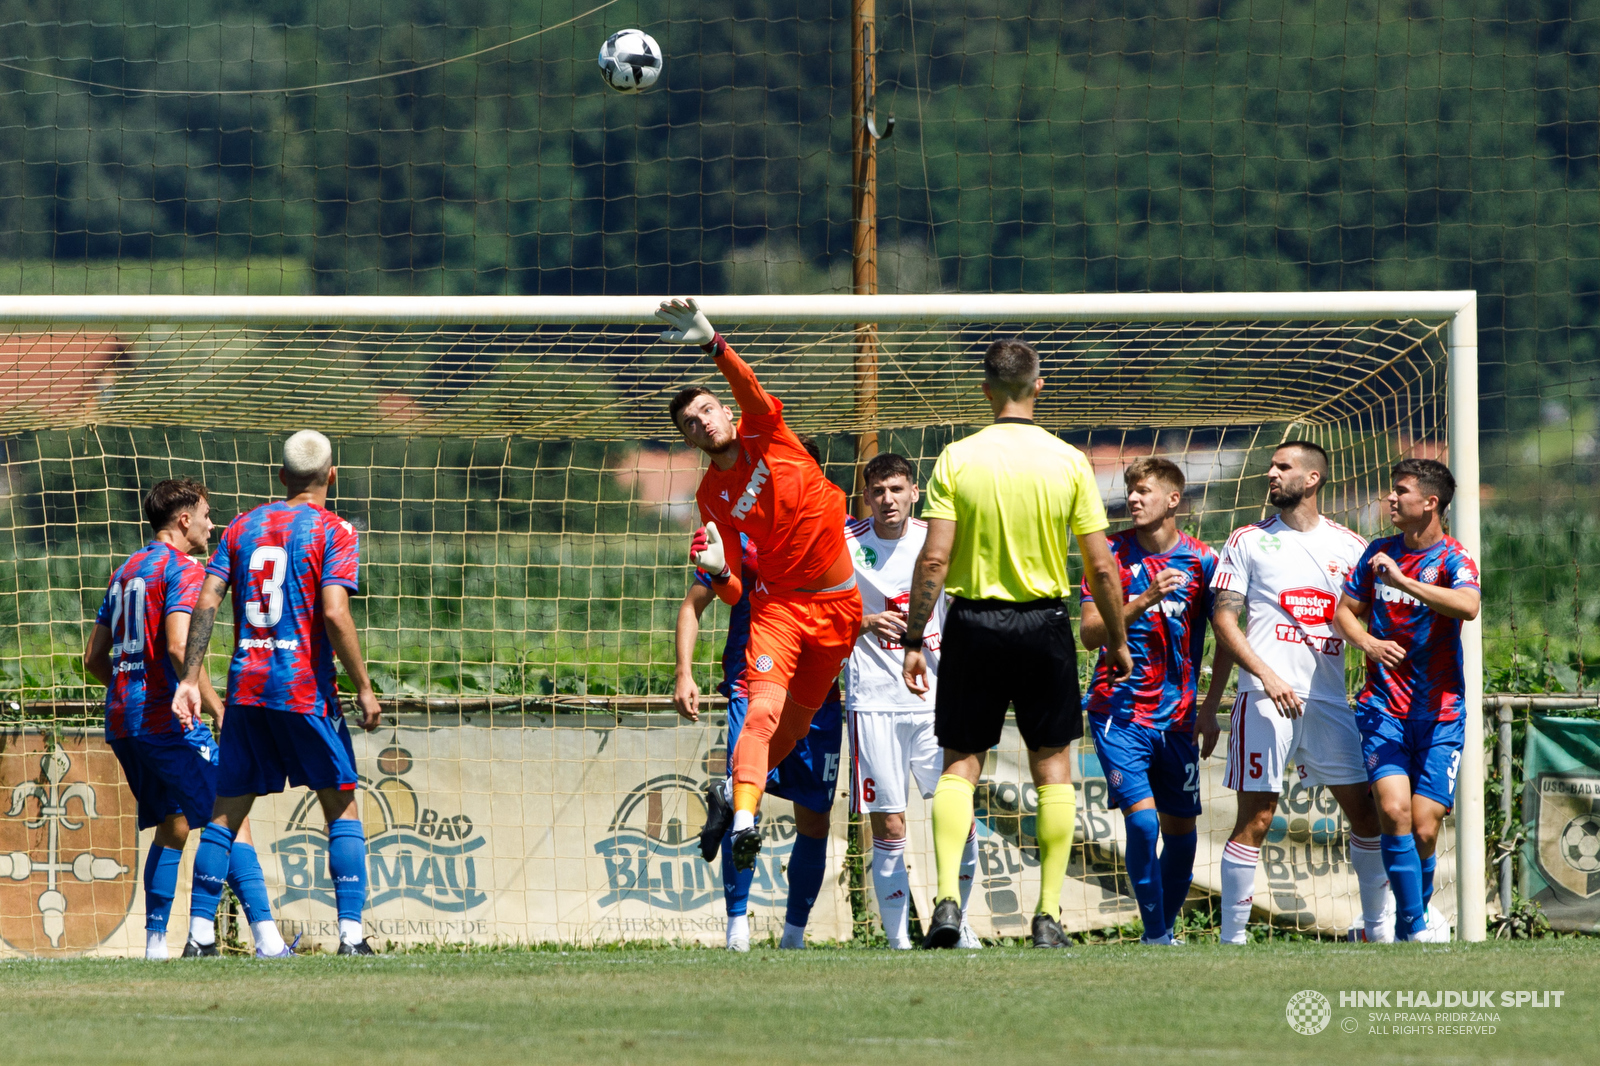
{"points": [[277, 558]]}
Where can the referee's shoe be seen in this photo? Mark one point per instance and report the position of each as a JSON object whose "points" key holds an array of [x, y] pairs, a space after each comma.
{"points": [[945, 927], [1047, 932]]}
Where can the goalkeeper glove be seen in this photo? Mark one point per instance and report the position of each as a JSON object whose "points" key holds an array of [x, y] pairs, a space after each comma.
{"points": [[689, 324], [705, 551]]}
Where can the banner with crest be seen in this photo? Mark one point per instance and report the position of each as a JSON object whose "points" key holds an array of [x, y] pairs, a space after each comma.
{"points": [[1561, 809]]}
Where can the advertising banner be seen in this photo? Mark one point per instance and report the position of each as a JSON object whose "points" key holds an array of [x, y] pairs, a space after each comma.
{"points": [[564, 829]]}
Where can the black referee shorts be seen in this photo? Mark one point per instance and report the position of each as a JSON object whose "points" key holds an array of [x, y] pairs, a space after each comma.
{"points": [[996, 653]]}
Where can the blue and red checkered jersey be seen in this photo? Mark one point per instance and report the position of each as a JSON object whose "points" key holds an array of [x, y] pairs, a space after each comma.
{"points": [[1429, 682], [277, 558], [1167, 641], [157, 580], [738, 621]]}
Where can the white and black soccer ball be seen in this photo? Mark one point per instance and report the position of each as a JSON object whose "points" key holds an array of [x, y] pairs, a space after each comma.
{"points": [[631, 61], [1580, 844]]}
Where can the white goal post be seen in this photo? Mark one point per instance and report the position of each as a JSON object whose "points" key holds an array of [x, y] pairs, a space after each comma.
{"points": [[526, 366]]}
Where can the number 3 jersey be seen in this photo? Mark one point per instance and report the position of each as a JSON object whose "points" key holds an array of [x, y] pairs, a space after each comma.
{"points": [[1291, 582], [277, 558], [157, 580]]}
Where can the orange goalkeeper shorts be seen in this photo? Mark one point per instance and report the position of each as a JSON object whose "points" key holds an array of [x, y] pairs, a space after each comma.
{"points": [[800, 641]]}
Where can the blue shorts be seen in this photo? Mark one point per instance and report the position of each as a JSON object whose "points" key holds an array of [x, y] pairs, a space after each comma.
{"points": [[809, 775], [262, 747], [1426, 751], [171, 773], [1141, 763]]}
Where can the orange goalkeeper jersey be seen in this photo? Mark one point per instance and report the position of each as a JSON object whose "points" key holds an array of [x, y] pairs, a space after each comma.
{"points": [[776, 494]]}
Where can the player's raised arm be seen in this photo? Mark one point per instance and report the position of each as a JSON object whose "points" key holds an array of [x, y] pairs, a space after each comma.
{"points": [[690, 326], [187, 702]]}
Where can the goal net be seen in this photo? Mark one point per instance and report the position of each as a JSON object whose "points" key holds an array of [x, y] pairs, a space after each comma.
{"points": [[524, 504]]}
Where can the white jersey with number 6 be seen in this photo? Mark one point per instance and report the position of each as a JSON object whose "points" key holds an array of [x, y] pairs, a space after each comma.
{"points": [[1291, 583], [883, 574]]}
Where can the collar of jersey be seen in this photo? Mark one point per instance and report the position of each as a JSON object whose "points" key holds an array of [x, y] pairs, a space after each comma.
{"points": [[1011, 420]]}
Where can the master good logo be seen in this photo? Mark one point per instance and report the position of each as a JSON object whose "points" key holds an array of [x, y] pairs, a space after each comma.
{"points": [[1308, 1012], [413, 851], [1309, 606], [68, 843]]}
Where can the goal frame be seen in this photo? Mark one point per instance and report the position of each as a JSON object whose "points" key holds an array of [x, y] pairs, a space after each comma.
{"points": [[1457, 309]]}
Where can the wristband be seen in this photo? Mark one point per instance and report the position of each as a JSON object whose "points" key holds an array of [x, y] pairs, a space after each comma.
{"points": [[722, 578], [911, 643], [716, 347]]}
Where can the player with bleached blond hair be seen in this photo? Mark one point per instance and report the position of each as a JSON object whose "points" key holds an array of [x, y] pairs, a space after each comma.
{"points": [[292, 565]]}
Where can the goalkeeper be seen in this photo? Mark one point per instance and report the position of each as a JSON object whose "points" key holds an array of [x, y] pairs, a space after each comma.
{"points": [[805, 612]]}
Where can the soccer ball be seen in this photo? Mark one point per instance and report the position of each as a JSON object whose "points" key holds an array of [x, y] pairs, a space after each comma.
{"points": [[630, 61], [1580, 844]]}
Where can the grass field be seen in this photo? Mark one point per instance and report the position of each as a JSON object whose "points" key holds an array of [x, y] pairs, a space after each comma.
{"points": [[1000, 1005]]}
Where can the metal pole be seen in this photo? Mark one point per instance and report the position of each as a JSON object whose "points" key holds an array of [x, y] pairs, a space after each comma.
{"points": [[1471, 865], [864, 244], [1505, 806]]}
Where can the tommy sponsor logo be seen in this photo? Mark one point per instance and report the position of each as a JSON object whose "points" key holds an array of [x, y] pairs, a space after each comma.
{"points": [[1308, 606], [1390, 594], [758, 481]]}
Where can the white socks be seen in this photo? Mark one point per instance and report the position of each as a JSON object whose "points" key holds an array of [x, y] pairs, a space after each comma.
{"points": [[1238, 889], [1377, 904], [743, 820], [349, 931], [969, 870], [893, 887], [155, 944], [268, 940], [203, 931], [738, 932], [794, 936]]}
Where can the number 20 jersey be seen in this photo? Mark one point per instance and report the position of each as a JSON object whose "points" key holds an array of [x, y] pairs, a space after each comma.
{"points": [[157, 580], [277, 558], [1291, 582]]}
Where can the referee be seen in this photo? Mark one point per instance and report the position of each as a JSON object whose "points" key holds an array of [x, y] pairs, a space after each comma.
{"points": [[1000, 506]]}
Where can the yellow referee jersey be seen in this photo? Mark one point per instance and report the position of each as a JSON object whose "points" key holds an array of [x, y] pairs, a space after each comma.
{"points": [[1018, 495]]}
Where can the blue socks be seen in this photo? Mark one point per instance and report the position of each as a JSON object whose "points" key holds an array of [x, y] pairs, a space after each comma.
{"points": [[807, 863], [210, 871], [1404, 866], [735, 882], [160, 885], [1144, 829], [248, 883], [1428, 865], [1177, 873], [347, 864]]}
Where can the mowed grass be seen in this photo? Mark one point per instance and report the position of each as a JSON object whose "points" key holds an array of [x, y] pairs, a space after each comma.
{"points": [[1001, 1005]]}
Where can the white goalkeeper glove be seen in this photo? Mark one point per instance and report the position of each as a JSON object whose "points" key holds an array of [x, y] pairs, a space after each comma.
{"points": [[689, 324], [705, 551]]}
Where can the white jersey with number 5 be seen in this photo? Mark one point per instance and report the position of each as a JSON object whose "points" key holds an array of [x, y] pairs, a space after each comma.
{"points": [[1291, 583], [883, 574]]}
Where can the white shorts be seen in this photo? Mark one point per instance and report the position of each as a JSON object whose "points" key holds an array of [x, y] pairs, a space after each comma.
{"points": [[1324, 744], [887, 750]]}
